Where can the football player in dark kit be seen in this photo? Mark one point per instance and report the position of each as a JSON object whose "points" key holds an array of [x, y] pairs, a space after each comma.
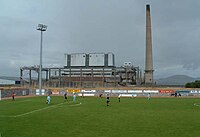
{"points": [[65, 96], [107, 100]]}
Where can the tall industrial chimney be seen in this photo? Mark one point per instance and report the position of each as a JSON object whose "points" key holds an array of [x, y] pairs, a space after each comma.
{"points": [[148, 76]]}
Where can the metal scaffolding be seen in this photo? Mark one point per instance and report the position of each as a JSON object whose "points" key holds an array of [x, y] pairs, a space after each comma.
{"points": [[76, 77]]}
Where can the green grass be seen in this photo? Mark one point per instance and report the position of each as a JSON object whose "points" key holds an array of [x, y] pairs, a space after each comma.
{"points": [[159, 117]]}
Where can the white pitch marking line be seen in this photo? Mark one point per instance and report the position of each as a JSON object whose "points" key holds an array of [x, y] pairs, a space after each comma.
{"points": [[34, 111], [75, 104], [38, 110], [197, 104]]}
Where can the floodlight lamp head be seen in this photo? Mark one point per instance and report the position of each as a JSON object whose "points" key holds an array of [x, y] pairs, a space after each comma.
{"points": [[41, 27]]}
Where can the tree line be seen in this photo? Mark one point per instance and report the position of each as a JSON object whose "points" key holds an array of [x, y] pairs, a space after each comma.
{"points": [[195, 84]]}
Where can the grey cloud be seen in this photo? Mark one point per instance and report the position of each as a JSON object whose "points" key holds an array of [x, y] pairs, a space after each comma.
{"points": [[101, 26]]}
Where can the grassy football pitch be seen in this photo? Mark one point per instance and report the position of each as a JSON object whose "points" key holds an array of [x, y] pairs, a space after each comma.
{"points": [[90, 117]]}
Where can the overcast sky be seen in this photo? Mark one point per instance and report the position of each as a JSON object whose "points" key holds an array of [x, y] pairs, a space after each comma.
{"points": [[88, 26]]}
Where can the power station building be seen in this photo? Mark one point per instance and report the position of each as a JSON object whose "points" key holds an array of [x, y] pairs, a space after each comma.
{"points": [[84, 70], [89, 60], [94, 69]]}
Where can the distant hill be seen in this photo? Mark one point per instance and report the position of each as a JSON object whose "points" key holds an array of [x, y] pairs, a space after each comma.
{"points": [[10, 78], [176, 80], [16, 78]]}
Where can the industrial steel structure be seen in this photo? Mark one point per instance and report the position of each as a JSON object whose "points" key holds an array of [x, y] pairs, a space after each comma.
{"points": [[85, 70]]}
